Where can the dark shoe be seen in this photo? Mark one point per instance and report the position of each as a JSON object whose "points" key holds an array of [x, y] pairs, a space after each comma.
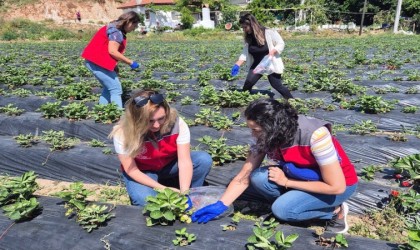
{"points": [[338, 224]]}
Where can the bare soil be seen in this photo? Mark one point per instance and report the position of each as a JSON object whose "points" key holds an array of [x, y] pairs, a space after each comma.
{"points": [[64, 11]]}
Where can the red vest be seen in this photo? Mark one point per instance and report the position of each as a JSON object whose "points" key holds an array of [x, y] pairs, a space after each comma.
{"points": [[299, 153], [156, 155], [97, 50]]}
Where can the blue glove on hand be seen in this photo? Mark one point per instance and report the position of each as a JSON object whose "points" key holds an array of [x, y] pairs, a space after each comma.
{"points": [[306, 174], [235, 70], [134, 65], [189, 202], [209, 212]]}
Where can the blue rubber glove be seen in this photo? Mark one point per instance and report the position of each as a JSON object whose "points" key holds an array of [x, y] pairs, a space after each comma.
{"points": [[235, 70], [209, 212], [135, 65], [306, 174], [189, 202]]}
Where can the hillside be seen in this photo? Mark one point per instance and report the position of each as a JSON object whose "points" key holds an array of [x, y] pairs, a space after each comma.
{"points": [[64, 11]]}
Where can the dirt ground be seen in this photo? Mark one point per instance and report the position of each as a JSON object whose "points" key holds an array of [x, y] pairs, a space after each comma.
{"points": [[64, 11], [103, 193]]}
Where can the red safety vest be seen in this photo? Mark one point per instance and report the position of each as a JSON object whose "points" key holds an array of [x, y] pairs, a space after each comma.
{"points": [[156, 155], [299, 153], [97, 50]]}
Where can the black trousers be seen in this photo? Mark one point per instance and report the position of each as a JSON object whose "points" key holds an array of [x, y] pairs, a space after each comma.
{"points": [[274, 79]]}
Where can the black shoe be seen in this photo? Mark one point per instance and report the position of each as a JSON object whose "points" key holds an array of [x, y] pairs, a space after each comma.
{"points": [[336, 225]]}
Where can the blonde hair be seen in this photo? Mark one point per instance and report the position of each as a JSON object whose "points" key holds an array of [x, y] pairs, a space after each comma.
{"points": [[256, 27], [134, 123]]}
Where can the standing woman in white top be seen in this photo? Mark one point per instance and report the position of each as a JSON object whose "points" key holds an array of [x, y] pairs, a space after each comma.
{"points": [[259, 42], [153, 144]]}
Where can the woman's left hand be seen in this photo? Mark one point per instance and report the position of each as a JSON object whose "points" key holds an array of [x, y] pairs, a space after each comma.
{"points": [[272, 52], [276, 175]]}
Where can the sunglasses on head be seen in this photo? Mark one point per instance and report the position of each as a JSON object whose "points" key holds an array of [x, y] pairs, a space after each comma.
{"points": [[140, 101]]}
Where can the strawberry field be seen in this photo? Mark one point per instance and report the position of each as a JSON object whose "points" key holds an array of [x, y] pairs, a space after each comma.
{"points": [[368, 88]]}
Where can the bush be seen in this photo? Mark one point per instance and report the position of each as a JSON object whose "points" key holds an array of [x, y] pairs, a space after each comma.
{"points": [[60, 34], [187, 18]]}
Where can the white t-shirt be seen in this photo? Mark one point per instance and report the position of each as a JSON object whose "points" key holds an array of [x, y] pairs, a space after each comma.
{"points": [[183, 137]]}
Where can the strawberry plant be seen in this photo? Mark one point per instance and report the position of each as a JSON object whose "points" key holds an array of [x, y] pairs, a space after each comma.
{"points": [[183, 238], [21, 209], [76, 91], [372, 104], [413, 235], [58, 141], [89, 216], [412, 90], [364, 127], [106, 113], [222, 153], [261, 239], [21, 92], [51, 109], [397, 137], [334, 242], [408, 167], [11, 110], [16, 196], [75, 111], [213, 119], [13, 188], [368, 173], [27, 140], [186, 100], [410, 109], [106, 151], [92, 216], [97, 143], [232, 225], [166, 207]]}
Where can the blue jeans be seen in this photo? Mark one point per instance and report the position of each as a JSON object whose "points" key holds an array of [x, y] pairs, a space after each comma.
{"points": [[112, 89], [297, 205], [201, 167]]}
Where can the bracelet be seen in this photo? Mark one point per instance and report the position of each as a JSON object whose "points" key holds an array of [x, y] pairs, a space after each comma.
{"points": [[285, 184]]}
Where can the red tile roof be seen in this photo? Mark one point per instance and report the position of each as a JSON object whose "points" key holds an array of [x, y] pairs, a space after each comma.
{"points": [[133, 3]]}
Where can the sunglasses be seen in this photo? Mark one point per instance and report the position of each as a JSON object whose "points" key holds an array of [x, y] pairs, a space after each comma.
{"points": [[140, 101]]}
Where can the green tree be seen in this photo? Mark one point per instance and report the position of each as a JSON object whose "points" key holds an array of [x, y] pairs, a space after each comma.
{"points": [[187, 18]]}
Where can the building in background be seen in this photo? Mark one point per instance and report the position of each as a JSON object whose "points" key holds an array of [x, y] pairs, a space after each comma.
{"points": [[153, 19]]}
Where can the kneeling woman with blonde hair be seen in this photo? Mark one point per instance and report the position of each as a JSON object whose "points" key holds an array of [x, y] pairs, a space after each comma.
{"points": [[153, 144]]}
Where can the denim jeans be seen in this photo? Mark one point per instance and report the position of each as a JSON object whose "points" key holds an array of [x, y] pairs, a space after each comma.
{"points": [[112, 89], [201, 167], [297, 205]]}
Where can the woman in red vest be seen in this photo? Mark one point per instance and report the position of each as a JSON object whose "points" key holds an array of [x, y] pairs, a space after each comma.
{"points": [[313, 176], [103, 52], [153, 144]]}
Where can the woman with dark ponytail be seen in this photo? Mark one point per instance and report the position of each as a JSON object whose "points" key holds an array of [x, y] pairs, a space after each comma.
{"points": [[312, 177]]}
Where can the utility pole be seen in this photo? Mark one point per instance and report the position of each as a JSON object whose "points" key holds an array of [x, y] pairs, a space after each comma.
{"points": [[397, 16], [363, 18]]}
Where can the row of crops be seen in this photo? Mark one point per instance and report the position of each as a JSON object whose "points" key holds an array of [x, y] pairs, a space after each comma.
{"points": [[369, 88]]}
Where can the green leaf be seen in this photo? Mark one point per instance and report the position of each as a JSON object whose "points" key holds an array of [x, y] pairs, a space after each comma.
{"points": [[169, 216], [414, 235], [156, 215], [291, 238]]}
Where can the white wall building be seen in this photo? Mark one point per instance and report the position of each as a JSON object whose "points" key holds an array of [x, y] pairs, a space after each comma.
{"points": [[152, 19]]}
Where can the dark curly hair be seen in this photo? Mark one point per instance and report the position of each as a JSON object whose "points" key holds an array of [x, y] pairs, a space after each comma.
{"points": [[278, 120]]}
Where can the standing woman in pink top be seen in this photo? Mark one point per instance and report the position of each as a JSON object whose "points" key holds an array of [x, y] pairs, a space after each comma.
{"points": [[105, 50]]}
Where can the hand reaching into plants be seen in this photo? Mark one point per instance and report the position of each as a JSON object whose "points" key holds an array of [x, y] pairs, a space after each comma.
{"points": [[235, 70], [209, 212], [135, 65]]}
